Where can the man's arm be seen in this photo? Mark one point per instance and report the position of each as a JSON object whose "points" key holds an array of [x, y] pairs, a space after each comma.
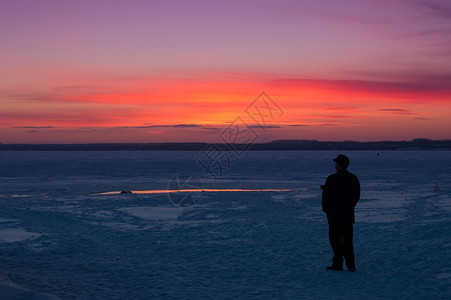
{"points": [[325, 196]]}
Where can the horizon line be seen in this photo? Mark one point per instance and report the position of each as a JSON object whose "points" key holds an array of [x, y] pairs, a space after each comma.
{"points": [[419, 139]]}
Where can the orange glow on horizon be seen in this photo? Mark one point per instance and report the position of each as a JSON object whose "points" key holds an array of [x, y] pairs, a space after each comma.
{"points": [[177, 110]]}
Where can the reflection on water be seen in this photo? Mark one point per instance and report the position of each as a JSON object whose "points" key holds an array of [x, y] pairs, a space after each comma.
{"points": [[192, 191]]}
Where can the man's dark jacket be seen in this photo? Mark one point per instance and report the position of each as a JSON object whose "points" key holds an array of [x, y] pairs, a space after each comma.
{"points": [[341, 193]]}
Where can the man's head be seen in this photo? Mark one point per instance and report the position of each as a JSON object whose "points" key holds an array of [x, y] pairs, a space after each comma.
{"points": [[342, 161]]}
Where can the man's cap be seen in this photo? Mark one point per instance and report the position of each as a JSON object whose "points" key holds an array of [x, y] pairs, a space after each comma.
{"points": [[342, 160]]}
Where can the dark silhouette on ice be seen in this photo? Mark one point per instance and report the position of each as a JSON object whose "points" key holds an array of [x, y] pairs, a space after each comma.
{"points": [[341, 192]]}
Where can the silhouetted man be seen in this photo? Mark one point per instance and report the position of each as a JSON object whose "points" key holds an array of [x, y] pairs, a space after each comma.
{"points": [[341, 192]]}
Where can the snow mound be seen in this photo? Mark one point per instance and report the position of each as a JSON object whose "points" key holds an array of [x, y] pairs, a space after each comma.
{"points": [[11, 291]]}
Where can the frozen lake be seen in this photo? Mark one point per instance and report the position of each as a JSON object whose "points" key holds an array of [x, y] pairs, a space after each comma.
{"points": [[59, 236]]}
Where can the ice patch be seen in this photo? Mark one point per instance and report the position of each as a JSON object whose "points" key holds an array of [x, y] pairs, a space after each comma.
{"points": [[14, 196], [154, 213], [211, 216], [118, 225], [279, 198], [9, 290], [239, 207], [104, 214], [304, 196], [444, 276], [11, 235], [196, 223], [4, 220]]}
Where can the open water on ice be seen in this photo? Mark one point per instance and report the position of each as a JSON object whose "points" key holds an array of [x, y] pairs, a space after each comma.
{"points": [[59, 236]]}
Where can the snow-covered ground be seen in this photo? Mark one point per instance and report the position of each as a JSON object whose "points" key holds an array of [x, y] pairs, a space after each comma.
{"points": [[59, 237]]}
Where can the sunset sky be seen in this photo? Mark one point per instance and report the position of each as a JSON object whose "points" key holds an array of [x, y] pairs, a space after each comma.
{"points": [[90, 71]]}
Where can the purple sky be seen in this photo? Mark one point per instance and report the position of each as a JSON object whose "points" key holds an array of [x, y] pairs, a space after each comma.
{"points": [[74, 64]]}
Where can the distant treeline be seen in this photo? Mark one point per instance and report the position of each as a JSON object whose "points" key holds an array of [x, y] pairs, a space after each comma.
{"points": [[416, 144]]}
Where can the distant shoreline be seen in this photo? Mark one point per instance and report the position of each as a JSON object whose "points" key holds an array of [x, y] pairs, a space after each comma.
{"points": [[277, 145]]}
